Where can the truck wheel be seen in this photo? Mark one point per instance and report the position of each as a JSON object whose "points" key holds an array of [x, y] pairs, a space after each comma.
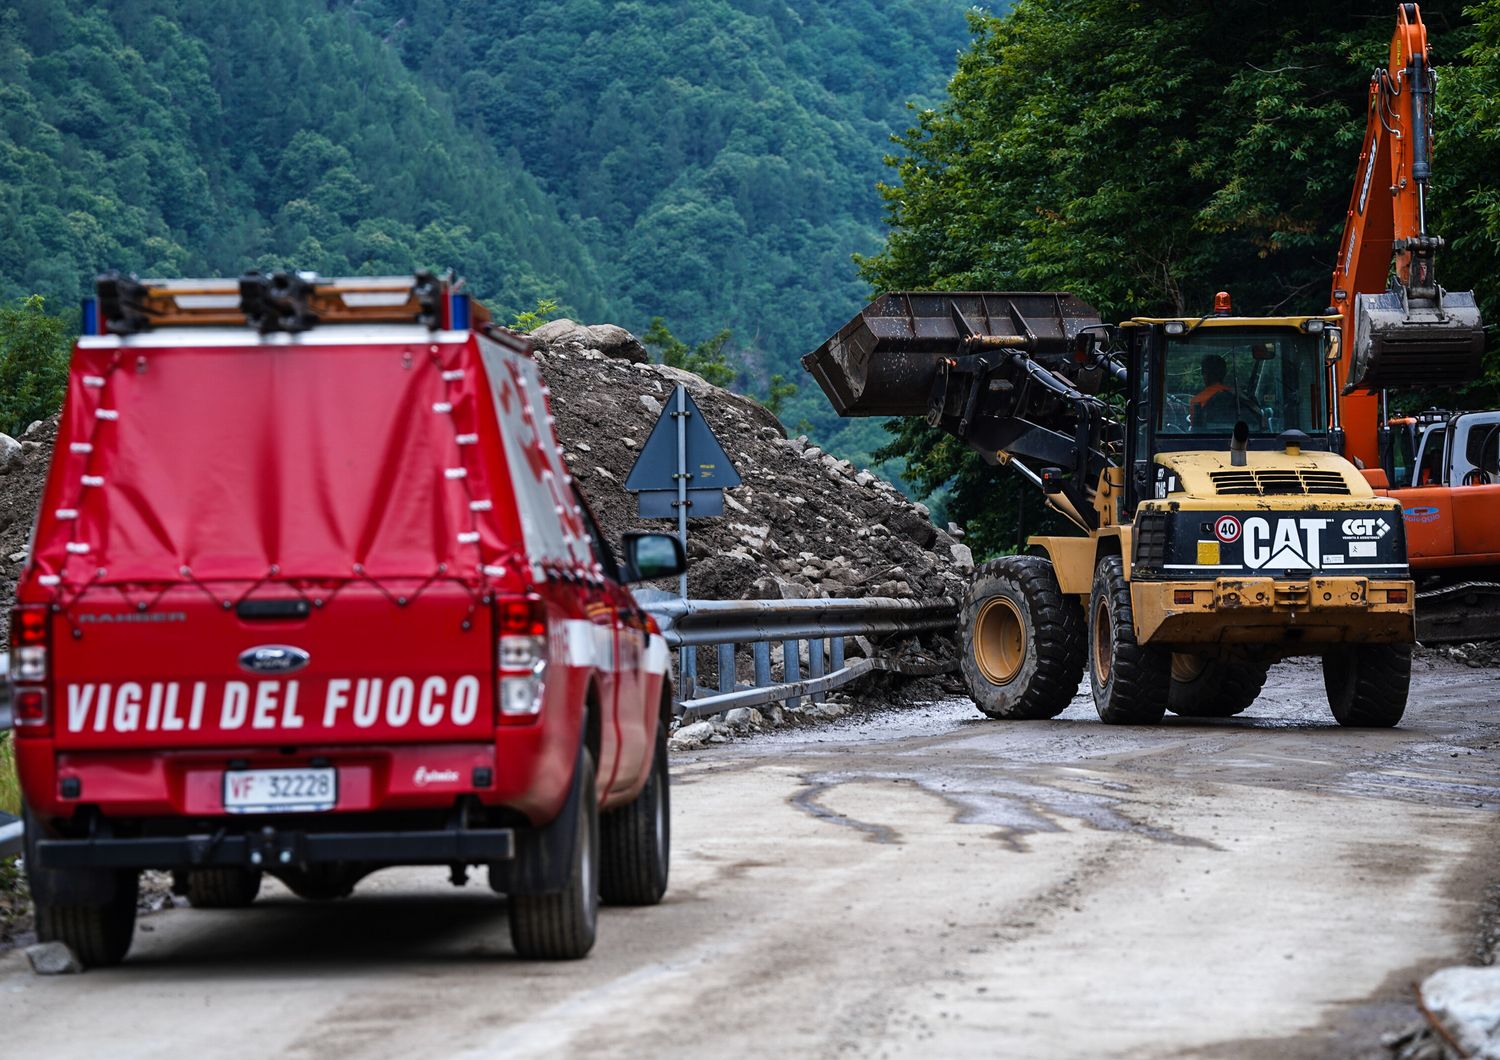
{"points": [[562, 926], [1024, 648], [323, 882], [1367, 684], [222, 888], [636, 839], [1130, 680], [91, 910], [1206, 687]]}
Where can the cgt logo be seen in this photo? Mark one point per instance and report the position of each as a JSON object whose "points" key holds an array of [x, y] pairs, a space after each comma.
{"points": [[1287, 544], [1366, 528]]}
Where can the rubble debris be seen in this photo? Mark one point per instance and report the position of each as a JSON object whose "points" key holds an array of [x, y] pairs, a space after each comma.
{"points": [[52, 958], [804, 523]]}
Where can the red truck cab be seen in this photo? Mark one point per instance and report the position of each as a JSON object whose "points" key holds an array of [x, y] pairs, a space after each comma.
{"points": [[312, 593]]}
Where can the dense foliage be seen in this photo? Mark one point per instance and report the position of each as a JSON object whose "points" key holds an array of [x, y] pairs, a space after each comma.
{"points": [[706, 161], [716, 154], [202, 136], [1146, 154], [33, 363]]}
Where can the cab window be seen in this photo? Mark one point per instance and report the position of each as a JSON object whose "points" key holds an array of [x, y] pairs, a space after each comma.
{"points": [[1429, 471], [1483, 452], [1269, 379]]}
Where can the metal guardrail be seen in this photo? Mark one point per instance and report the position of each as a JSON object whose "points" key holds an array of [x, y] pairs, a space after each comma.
{"points": [[824, 624], [12, 835]]}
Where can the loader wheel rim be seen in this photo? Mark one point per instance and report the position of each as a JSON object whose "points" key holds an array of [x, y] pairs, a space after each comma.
{"points": [[999, 640], [1104, 642]]}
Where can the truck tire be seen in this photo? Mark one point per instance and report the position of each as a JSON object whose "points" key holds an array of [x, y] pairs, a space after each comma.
{"points": [[1368, 683], [91, 910], [1205, 687], [325, 882], [1130, 680], [1023, 640], [222, 888], [636, 839], [562, 926]]}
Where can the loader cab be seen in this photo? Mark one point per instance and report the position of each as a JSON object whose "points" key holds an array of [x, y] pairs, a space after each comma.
{"points": [[1193, 381]]}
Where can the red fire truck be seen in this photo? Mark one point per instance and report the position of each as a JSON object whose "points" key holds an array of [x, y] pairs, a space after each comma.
{"points": [[312, 593]]}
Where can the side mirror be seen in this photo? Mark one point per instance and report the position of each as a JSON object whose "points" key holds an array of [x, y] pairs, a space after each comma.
{"points": [[1335, 348], [652, 556]]}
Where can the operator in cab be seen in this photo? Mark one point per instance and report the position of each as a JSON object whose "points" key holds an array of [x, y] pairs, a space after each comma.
{"points": [[1214, 369]]}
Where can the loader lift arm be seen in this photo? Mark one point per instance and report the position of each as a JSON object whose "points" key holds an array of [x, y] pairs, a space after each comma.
{"points": [[1013, 375]]}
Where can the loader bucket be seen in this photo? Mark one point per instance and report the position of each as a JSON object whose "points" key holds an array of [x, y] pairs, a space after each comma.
{"points": [[882, 362], [1397, 344]]}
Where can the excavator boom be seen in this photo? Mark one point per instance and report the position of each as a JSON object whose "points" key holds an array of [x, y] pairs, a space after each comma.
{"points": [[1405, 330]]}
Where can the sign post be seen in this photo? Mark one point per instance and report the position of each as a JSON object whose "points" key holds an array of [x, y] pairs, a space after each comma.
{"points": [[682, 476], [682, 472]]}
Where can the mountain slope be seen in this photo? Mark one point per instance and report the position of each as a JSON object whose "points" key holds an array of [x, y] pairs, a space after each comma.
{"points": [[718, 155], [199, 136]]}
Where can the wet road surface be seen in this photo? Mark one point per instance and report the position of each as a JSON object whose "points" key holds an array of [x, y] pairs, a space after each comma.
{"points": [[917, 882]]}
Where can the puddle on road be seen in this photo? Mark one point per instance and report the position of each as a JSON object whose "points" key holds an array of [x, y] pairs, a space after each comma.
{"points": [[1014, 807]]}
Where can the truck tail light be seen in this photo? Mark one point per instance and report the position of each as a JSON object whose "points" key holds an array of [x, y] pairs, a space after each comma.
{"points": [[521, 657], [30, 669]]}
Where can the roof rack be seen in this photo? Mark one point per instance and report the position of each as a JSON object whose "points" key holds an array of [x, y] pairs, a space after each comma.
{"points": [[278, 301]]}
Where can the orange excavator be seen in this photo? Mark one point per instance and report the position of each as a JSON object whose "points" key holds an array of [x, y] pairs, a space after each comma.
{"points": [[1405, 332]]}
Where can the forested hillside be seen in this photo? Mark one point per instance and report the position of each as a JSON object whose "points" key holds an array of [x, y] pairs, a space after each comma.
{"points": [[1199, 147], [718, 155], [710, 162], [202, 136]]}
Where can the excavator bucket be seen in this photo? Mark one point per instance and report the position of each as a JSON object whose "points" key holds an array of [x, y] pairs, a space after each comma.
{"points": [[1399, 342], [882, 362]]}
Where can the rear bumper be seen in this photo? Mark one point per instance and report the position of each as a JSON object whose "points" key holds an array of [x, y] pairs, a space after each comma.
{"points": [[520, 771], [270, 849], [1316, 612]]}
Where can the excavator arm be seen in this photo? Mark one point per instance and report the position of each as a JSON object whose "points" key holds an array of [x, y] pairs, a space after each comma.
{"points": [[1403, 329]]}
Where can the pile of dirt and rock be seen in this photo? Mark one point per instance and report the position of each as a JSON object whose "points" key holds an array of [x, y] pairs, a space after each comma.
{"points": [[803, 523], [23, 473]]}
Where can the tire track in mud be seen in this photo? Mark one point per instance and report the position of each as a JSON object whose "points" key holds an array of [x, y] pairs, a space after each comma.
{"points": [[1016, 808]]}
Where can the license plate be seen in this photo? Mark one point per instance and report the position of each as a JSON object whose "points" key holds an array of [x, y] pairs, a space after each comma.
{"points": [[280, 790]]}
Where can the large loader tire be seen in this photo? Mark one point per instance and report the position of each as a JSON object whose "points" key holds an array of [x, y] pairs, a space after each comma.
{"points": [[1023, 640], [1368, 683], [1130, 680], [1206, 687]]}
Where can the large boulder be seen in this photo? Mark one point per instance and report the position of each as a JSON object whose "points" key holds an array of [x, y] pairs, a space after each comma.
{"points": [[609, 339]]}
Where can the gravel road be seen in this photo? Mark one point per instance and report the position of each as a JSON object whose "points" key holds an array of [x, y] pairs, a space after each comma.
{"points": [[920, 882]]}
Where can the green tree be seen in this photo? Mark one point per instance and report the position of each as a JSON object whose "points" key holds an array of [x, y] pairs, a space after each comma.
{"points": [[529, 320], [707, 359], [778, 392], [33, 363], [1142, 156]]}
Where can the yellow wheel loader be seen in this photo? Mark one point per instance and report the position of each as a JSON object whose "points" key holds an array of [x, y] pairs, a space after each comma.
{"points": [[1219, 532]]}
